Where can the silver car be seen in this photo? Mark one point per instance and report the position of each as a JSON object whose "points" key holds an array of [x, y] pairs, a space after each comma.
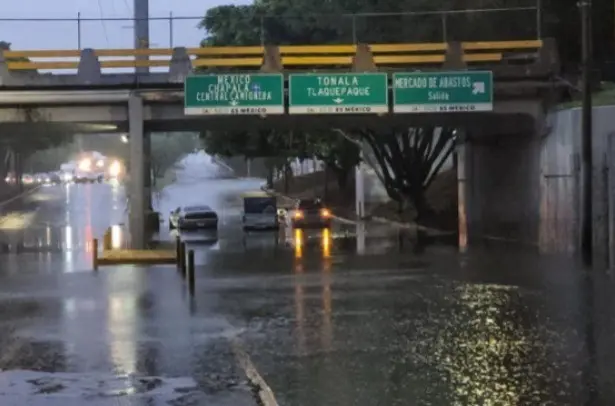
{"points": [[193, 218]]}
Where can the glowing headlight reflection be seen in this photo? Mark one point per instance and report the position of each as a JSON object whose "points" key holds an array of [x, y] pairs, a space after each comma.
{"points": [[115, 169], [326, 243]]}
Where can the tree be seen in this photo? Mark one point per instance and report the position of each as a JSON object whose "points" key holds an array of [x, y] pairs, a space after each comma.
{"points": [[23, 143], [339, 154], [278, 148], [409, 160], [230, 24], [6, 46], [168, 148], [322, 21]]}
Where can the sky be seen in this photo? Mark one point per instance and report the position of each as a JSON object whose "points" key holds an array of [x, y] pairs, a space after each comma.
{"points": [[95, 34]]}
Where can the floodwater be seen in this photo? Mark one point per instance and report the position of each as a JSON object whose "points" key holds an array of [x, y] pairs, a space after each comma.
{"points": [[356, 315]]}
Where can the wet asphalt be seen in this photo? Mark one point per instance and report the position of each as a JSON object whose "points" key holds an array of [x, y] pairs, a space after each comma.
{"points": [[360, 315]]}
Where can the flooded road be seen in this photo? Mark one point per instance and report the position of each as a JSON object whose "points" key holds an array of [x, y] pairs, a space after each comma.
{"points": [[358, 315]]}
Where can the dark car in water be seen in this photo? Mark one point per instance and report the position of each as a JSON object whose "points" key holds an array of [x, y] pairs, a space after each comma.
{"points": [[311, 213], [193, 218]]}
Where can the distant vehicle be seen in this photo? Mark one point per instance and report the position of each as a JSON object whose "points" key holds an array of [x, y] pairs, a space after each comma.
{"points": [[193, 218], [260, 211], [48, 179], [67, 177], [311, 213], [87, 177], [28, 179]]}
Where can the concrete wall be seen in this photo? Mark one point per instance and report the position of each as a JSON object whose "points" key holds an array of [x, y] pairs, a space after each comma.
{"points": [[503, 187], [561, 177], [526, 188]]}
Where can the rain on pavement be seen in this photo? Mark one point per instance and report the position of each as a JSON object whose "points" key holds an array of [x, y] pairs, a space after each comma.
{"points": [[359, 315]]}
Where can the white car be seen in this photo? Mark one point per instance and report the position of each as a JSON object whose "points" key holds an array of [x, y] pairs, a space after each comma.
{"points": [[193, 218]]}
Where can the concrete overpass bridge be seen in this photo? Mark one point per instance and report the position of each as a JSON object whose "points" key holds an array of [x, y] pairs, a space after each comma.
{"points": [[90, 99]]}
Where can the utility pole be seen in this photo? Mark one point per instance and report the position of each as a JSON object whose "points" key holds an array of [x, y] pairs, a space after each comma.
{"points": [[586, 133], [141, 31]]}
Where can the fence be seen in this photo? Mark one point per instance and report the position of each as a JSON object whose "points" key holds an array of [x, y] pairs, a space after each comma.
{"points": [[494, 24]]}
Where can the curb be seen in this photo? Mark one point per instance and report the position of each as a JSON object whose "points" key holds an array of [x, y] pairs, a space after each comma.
{"points": [[262, 392], [23, 194], [411, 226], [377, 219]]}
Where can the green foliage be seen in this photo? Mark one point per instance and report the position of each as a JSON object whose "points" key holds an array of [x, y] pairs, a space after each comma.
{"points": [[22, 143], [231, 24], [168, 148], [304, 22], [409, 160]]}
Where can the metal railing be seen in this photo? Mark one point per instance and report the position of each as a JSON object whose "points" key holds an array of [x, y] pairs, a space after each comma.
{"points": [[494, 24], [291, 56]]}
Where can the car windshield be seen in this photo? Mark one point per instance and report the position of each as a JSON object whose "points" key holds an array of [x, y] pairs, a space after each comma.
{"points": [[310, 205], [194, 209], [260, 205]]}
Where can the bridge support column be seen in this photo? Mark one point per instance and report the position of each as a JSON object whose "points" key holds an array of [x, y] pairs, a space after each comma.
{"points": [[465, 202], [147, 171], [137, 176], [360, 189]]}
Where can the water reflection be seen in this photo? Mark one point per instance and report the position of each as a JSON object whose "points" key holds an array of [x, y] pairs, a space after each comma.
{"points": [[299, 297], [360, 232], [122, 320], [117, 237], [490, 358], [326, 243], [301, 241], [298, 243], [327, 308]]}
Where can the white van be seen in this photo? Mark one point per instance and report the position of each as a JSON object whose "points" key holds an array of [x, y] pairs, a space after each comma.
{"points": [[260, 211]]}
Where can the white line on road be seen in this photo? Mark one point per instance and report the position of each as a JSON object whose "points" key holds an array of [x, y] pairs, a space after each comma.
{"points": [[265, 394]]}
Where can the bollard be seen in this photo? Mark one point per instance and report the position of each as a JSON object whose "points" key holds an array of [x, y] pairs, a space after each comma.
{"points": [[191, 281], [178, 252], [182, 258], [95, 254]]}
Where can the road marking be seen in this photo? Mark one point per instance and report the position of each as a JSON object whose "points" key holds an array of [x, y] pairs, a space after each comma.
{"points": [[263, 391]]}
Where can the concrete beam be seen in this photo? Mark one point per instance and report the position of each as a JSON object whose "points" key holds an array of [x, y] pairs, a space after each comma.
{"points": [[65, 114], [136, 196]]}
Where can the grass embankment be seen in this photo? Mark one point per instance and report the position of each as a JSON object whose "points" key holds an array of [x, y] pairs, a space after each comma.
{"points": [[442, 197], [604, 97]]}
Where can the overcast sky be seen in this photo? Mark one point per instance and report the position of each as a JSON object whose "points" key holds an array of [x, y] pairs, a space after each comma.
{"points": [[96, 34]]}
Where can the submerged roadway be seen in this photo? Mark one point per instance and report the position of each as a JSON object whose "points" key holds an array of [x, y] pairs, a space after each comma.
{"points": [[359, 315]]}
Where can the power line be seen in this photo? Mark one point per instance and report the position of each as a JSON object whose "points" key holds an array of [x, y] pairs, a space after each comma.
{"points": [[128, 6], [102, 22]]}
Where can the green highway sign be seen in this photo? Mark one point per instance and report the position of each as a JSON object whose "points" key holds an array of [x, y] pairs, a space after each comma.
{"points": [[442, 92], [234, 94], [338, 93]]}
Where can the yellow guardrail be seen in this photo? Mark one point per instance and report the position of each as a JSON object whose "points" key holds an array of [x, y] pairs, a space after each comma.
{"points": [[291, 55]]}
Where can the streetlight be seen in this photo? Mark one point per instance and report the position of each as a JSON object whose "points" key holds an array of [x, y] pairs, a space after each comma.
{"points": [[586, 132], [124, 138]]}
